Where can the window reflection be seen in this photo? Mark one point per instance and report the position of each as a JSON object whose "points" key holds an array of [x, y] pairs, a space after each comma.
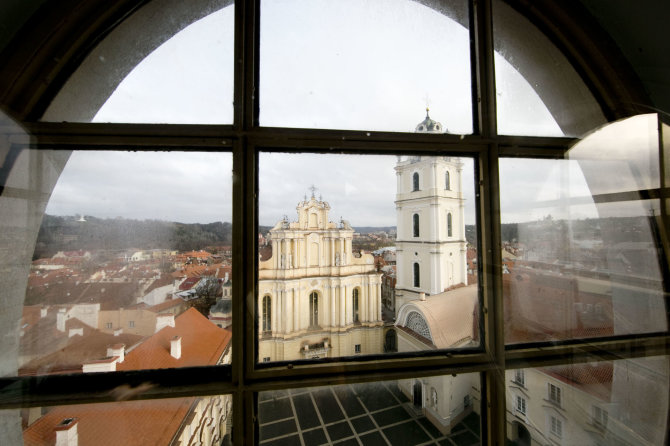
{"points": [[581, 252], [602, 403]]}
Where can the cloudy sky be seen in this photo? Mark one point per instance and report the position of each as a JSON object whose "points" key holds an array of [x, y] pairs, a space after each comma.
{"points": [[323, 65]]}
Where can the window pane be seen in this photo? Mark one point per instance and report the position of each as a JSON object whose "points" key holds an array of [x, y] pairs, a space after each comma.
{"points": [[355, 235], [364, 65], [161, 65], [539, 93], [600, 403], [581, 250], [156, 422], [131, 266], [443, 409]]}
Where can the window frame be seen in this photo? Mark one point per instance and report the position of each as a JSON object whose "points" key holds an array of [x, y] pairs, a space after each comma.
{"points": [[244, 378]]}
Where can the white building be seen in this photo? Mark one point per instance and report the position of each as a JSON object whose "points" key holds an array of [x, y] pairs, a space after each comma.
{"points": [[316, 297], [430, 247]]}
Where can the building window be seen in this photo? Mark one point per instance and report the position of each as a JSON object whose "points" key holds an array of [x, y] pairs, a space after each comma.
{"points": [[266, 359], [521, 405], [415, 182], [415, 225], [447, 181], [267, 314], [313, 309], [108, 325], [355, 305], [556, 427], [554, 394], [600, 417], [520, 377], [449, 231], [131, 324], [357, 348], [417, 276]]}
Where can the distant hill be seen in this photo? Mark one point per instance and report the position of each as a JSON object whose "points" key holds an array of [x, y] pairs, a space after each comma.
{"points": [[67, 233]]}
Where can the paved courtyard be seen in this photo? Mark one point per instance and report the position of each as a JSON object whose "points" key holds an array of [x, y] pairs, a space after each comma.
{"points": [[358, 414]]}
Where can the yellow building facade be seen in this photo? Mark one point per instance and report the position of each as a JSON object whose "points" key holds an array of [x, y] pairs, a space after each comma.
{"points": [[317, 298]]}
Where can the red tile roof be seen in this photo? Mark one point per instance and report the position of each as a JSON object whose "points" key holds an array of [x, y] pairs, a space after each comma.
{"points": [[203, 343], [128, 423]]}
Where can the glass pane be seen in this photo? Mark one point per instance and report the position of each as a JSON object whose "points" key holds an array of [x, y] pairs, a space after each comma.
{"points": [[380, 258], [161, 65], [155, 422], [582, 254], [539, 93], [131, 267], [442, 409], [364, 65], [601, 403]]}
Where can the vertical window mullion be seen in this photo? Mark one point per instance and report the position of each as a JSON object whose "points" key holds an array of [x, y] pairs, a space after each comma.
{"points": [[245, 183], [484, 123]]}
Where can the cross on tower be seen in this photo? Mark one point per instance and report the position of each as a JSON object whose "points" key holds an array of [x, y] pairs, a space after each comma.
{"points": [[313, 189]]}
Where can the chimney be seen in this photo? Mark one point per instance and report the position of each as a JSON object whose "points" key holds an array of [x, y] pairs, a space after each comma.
{"points": [[117, 350], [43, 312], [60, 319], [175, 347], [66, 432], [164, 320], [422, 296], [75, 332], [118, 331]]}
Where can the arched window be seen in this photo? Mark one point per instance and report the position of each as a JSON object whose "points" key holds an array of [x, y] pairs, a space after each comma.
{"points": [[417, 275], [415, 225], [447, 181], [355, 305], [449, 226], [313, 309], [267, 314], [415, 181]]}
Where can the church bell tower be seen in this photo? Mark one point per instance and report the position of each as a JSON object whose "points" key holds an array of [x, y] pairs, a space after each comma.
{"points": [[430, 246]]}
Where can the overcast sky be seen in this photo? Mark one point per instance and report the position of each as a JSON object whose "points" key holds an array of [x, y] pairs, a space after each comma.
{"points": [[323, 65]]}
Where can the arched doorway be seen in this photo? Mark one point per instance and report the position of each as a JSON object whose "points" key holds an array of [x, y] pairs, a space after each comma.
{"points": [[391, 342], [522, 434]]}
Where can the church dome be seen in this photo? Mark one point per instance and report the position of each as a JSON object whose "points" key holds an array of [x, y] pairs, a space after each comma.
{"points": [[428, 125]]}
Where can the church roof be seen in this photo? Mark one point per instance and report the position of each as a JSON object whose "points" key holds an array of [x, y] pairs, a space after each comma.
{"points": [[428, 125], [449, 317]]}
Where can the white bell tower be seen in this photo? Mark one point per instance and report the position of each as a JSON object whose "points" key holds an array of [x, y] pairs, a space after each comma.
{"points": [[431, 246]]}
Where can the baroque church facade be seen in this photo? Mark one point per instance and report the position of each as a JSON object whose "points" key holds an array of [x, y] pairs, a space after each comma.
{"points": [[317, 298]]}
